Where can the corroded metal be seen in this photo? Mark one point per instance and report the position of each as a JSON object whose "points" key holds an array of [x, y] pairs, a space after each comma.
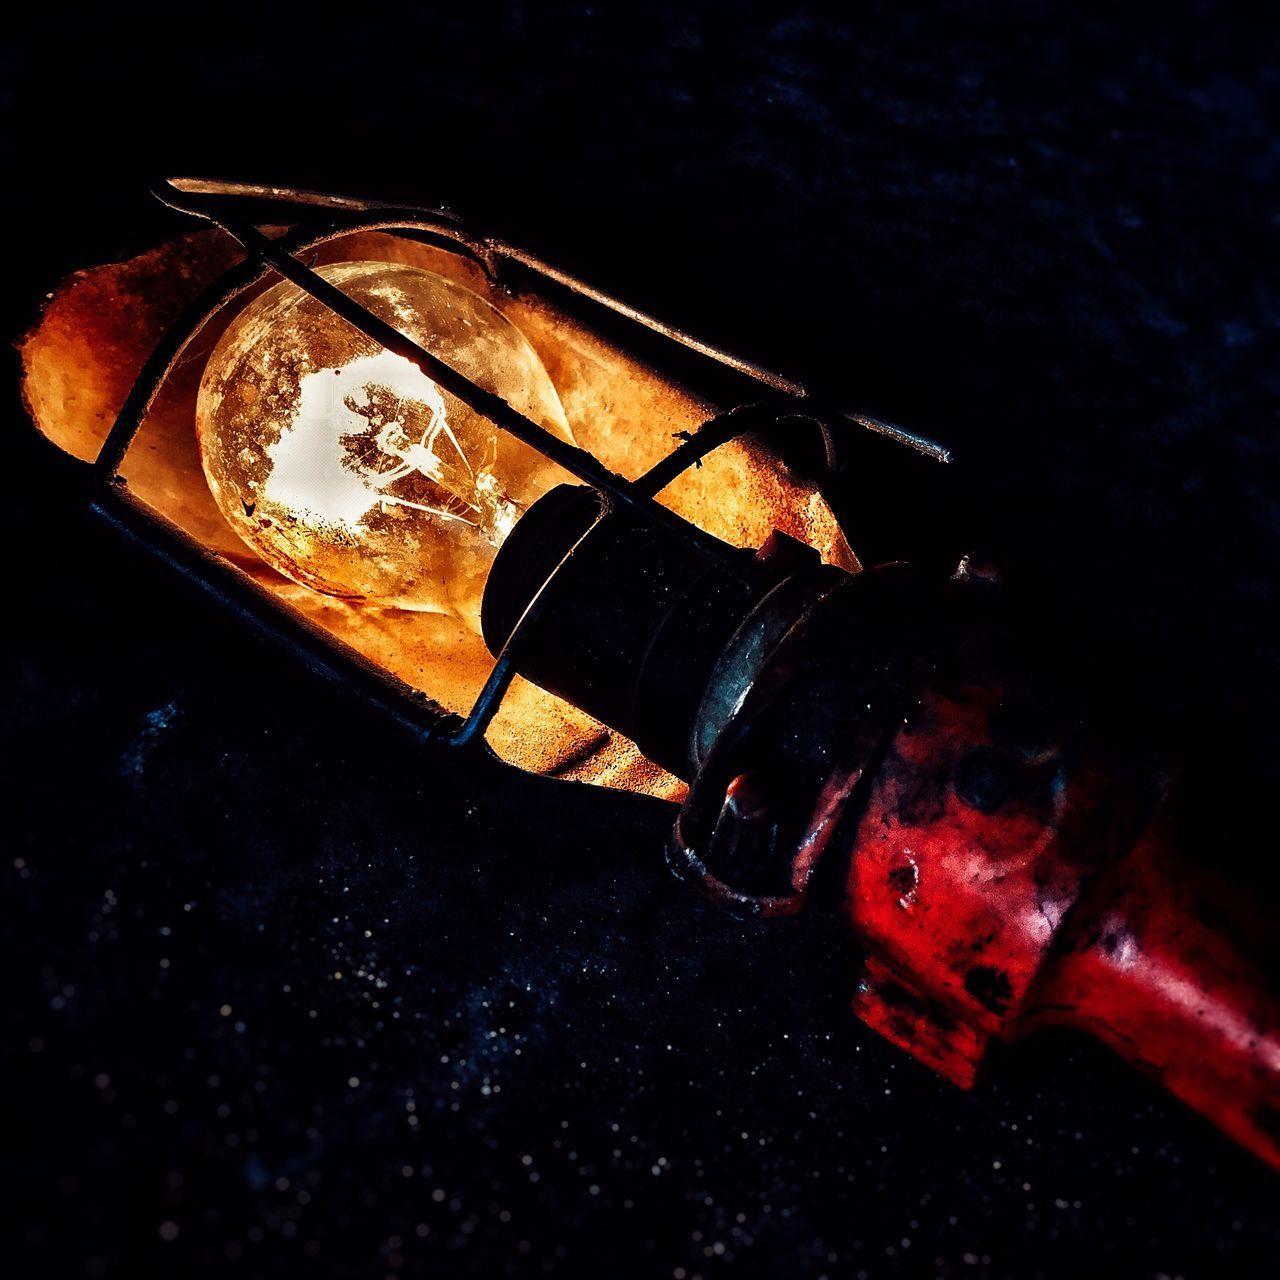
{"points": [[241, 209], [1002, 870]]}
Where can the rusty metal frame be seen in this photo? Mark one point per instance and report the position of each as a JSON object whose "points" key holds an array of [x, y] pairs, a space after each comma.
{"points": [[230, 206]]}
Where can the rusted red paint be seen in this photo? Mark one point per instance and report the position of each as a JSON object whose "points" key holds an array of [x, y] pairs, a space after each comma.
{"points": [[1171, 979], [1032, 898], [1003, 868], [969, 900], [926, 1029]]}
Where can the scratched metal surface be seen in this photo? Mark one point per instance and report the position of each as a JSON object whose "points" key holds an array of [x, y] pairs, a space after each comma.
{"points": [[284, 991]]}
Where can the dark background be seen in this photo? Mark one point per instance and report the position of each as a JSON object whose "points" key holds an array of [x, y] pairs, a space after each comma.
{"points": [[1047, 237]]}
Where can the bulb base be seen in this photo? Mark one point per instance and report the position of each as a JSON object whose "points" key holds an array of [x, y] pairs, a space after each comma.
{"points": [[630, 628]]}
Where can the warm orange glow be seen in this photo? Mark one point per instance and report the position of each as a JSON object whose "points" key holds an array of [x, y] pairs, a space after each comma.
{"points": [[350, 471], [99, 327]]}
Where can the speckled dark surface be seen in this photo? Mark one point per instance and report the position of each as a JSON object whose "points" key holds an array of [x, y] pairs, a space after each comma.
{"points": [[288, 995]]}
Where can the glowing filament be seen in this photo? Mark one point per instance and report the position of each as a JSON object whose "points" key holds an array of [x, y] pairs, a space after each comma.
{"points": [[346, 467]]}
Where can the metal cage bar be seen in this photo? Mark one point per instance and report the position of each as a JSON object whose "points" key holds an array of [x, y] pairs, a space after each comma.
{"points": [[200, 199]]}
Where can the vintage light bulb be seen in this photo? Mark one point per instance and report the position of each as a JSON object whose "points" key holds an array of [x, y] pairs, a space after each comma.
{"points": [[348, 469]]}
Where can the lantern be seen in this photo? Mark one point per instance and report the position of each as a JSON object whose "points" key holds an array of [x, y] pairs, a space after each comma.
{"points": [[387, 464]]}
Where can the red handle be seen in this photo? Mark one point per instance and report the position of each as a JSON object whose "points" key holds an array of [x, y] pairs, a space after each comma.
{"points": [[1170, 968]]}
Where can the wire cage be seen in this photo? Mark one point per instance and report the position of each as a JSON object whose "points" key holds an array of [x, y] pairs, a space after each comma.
{"points": [[757, 398]]}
